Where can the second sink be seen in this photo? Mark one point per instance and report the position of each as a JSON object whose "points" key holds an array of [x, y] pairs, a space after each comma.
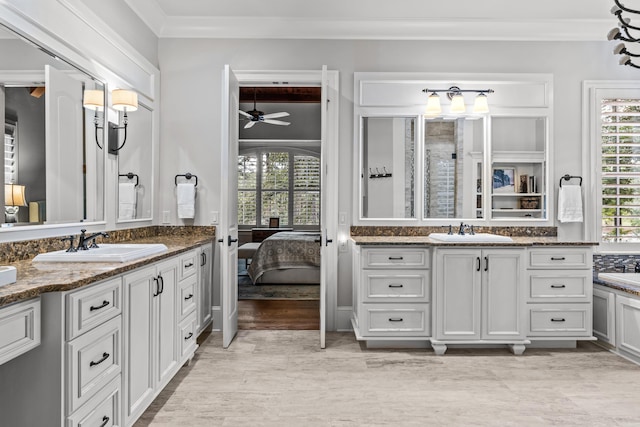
{"points": [[122, 252], [478, 237]]}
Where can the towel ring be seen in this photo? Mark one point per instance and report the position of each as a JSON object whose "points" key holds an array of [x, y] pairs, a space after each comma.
{"points": [[188, 176], [130, 175], [567, 177]]}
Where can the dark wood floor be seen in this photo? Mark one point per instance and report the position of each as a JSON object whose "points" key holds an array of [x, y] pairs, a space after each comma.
{"points": [[279, 314]]}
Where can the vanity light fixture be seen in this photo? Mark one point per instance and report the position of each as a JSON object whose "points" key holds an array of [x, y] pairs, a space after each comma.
{"points": [[121, 100], [622, 33], [454, 93], [13, 198], [94, 100]]}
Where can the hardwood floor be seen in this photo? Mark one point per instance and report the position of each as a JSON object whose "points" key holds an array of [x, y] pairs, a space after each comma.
{"points": [[279, 314]]}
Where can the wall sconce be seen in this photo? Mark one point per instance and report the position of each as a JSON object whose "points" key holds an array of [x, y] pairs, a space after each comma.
{"points": [[13, 198], [621, 32], [454, 93], [121, 100], [94, 100]]}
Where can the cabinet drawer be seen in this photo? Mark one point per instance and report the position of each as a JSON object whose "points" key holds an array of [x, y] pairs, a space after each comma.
{"points": [[578, 258], [102, 410], [19, 329], [395, 258], [560, 320], [396, 320], [188, 288], [94, 359], [188, 265], [390, 285], [188, 336], [564, 286], [93, 306]]}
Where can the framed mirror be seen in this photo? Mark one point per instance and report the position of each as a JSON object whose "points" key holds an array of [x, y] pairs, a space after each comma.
{"points": [[388, 164], [54, 164], [135, 171]]}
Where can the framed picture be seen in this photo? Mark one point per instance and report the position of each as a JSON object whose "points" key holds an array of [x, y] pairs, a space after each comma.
{"points": [[504, 180], [274, 222]]}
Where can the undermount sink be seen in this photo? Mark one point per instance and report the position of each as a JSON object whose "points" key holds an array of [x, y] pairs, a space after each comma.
{"points": [[628, 278], [478, 237], [122, 252]]}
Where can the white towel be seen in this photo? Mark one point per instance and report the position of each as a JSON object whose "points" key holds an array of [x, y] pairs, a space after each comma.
{"points": [[570, 203], [186, 200], [127, 200]]}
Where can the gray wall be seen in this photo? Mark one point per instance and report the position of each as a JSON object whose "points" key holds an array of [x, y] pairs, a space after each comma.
{"points": [[191, 90]]}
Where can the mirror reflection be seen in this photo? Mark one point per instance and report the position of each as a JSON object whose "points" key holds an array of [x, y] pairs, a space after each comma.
{"points": [[51, 174], [453, 168], [135, 172], [388, 165]]}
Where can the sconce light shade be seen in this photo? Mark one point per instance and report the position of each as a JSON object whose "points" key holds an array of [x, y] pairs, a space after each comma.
{"points": [[457, 103], [14, 195], [124, 100], [433, 105], [93, 100], [481, 104]]}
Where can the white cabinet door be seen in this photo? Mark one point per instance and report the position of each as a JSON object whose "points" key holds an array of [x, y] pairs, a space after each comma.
{"points": [[137, 390], [166, 320], [604, 312], [458, 294], [628, 324], [205, 287], [502, 275]]}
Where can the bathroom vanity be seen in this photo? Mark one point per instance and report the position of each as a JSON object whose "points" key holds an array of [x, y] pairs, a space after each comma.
{"points": [[113, 334], [414, 289]]}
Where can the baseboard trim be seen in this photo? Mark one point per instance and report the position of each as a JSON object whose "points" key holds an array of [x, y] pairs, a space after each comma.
{"points": [[343, 318]]}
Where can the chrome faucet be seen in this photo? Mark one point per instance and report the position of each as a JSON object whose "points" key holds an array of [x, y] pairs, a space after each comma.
{"points": [[461, 231], [83, 240]]}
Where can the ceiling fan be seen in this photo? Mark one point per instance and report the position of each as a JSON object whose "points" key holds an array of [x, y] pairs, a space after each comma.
{"points": [[255, 116]]}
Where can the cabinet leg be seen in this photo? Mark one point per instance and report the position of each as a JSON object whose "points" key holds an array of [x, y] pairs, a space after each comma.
{"points": [[517, 349], [439, 349]]}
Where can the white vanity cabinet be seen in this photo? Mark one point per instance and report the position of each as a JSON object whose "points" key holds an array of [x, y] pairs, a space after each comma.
{"points": [[628, 326], [150, 333], [205, 286], [392, 294], [616, 320], [19, 329], [559, 297], [478, 297], [604, 315]]}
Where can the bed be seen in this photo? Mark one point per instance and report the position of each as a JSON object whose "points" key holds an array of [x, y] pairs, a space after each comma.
{"points": [[287, 257]]}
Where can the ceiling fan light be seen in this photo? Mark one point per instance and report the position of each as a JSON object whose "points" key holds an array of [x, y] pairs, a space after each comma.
{"points": [[433, 105], [457, 104], [481, 104]]}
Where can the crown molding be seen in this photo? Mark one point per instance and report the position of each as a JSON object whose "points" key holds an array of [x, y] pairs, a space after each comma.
{"points": [[150, 13]]}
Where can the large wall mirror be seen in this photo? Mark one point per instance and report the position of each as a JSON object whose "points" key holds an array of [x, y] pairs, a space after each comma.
{"points": [[135, 170], [54, 157]]}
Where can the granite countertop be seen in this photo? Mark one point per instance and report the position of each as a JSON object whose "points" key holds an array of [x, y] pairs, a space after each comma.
{"points": [[613, 284], [426, 241], [37, 278]]}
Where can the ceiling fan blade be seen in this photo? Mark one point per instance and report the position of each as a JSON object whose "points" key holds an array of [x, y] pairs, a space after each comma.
{"points": [[276, 122], [249, 124], [244, 113], [275, 115]]}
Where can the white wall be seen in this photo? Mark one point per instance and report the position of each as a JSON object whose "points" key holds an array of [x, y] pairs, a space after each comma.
{"points": [[191, 80]]}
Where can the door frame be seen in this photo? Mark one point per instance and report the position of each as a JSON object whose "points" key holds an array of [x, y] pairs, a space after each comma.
{"points": [[312, 77]]}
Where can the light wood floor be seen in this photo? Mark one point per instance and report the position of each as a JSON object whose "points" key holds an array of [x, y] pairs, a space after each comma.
{"points": [[279, 314], [283, 378]]}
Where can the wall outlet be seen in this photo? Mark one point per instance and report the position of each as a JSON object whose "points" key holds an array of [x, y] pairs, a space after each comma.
{"points": [[215, 217], [166, 217], [342, 246], [342, 218]]}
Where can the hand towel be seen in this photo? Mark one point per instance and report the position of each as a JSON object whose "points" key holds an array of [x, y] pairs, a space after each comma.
{"points": [[570, 203], [186, 200], [126, 200]]}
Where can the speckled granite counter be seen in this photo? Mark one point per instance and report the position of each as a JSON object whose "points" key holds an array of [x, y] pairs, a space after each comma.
{"points": [[37, 278], [624, 287], [426, 241]]}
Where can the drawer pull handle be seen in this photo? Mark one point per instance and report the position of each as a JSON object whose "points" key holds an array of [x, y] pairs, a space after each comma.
{"points": [[105, 356], [558, 286], [558, 319], [396, 319], [188, 265], [188, 336], [105, 420], [396, 285], [478, 261], [557, 258], [188, 297], [104, 304], [396, 258]]}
